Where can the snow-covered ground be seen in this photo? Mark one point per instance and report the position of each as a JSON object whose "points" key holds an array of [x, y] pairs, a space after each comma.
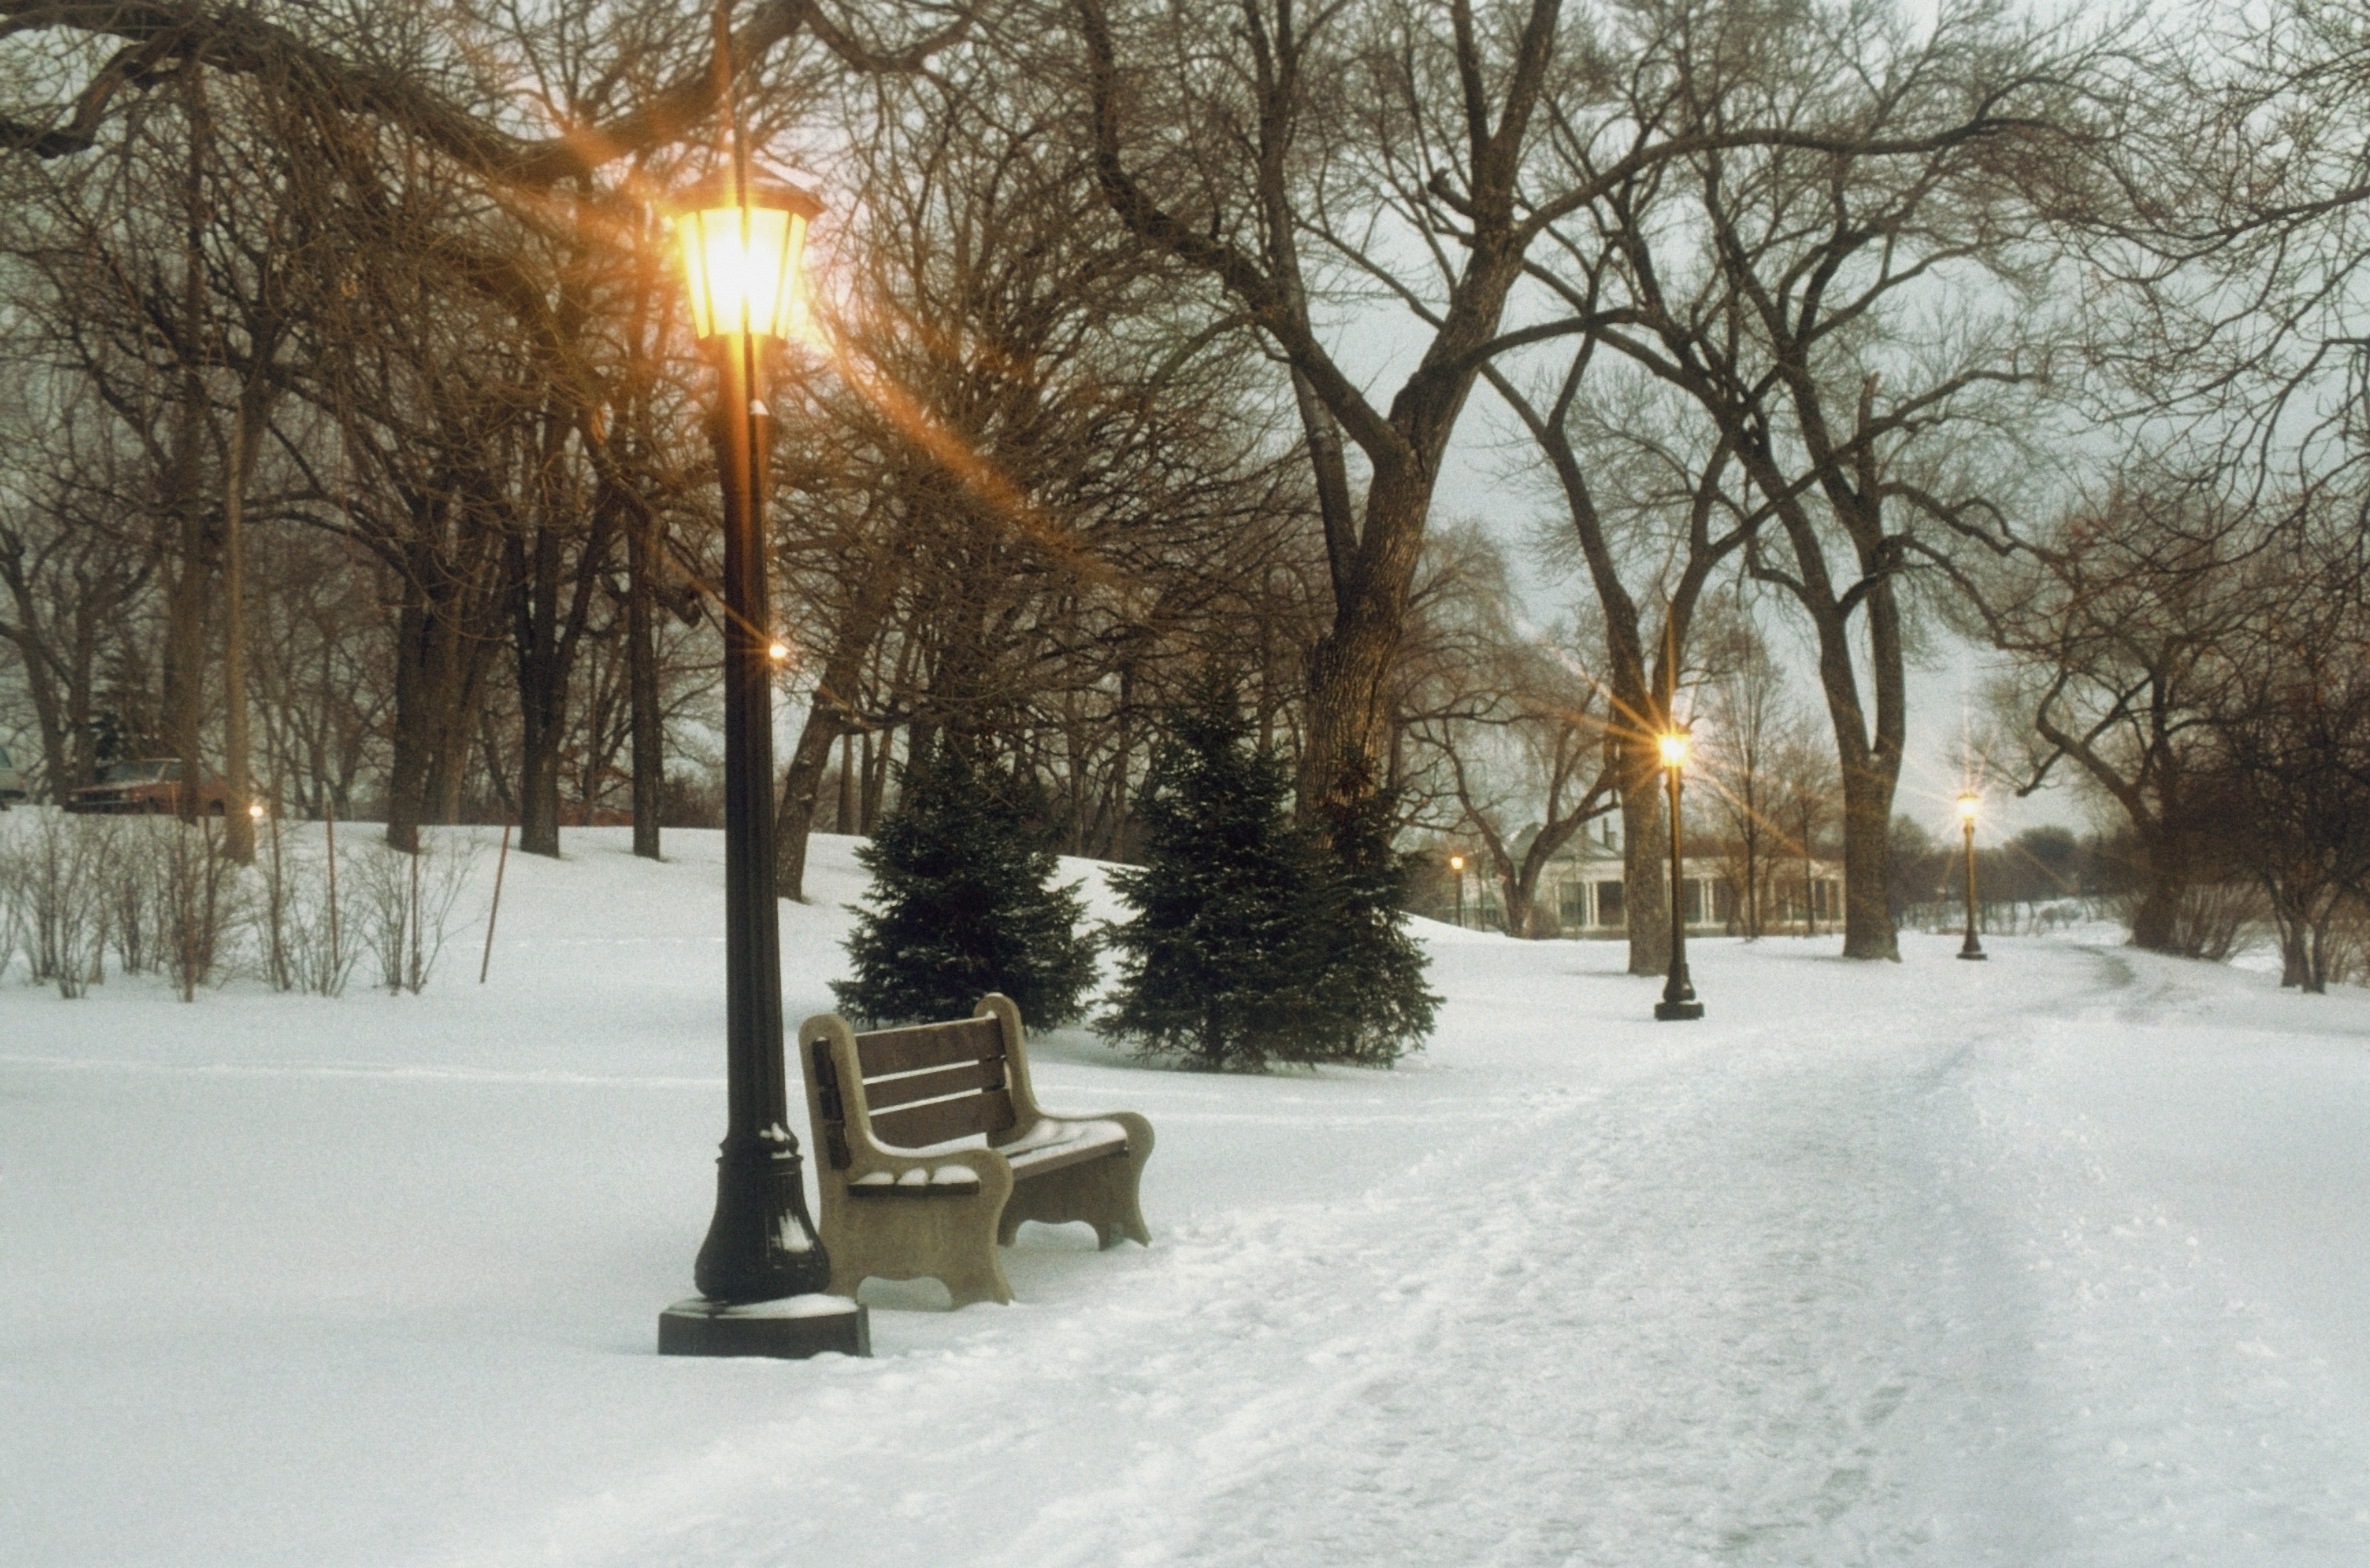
{"points": [[2061, 1258]]}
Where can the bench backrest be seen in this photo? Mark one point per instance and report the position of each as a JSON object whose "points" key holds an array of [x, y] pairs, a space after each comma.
{"points": [[936, 1081]]}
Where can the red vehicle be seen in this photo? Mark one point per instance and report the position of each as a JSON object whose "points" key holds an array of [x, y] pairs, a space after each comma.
{"points": [[152, 787]]}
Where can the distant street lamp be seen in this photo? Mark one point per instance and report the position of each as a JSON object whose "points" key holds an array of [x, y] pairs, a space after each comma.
{"points": [[1678, 993], [1969, 948], [741, 242], [1456, 865]]}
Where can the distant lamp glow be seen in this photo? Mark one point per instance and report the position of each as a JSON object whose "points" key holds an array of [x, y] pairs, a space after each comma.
{"points": [[1967, 804], [1456, 863], [742, 259], [1675, 749], [256, 811], [779, 652]]}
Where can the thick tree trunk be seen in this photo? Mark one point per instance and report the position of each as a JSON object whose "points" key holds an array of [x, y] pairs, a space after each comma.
{"points": [[33, 656], [1869, 782], [2155, 920], [544, 663], [1349, 706], [801, 789], [1645, 853], [443, 645], [875, 770]]}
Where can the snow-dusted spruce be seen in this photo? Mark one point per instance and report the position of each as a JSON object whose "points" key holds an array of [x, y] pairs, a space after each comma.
{"points": [[962, 903], [1250, 942], [1375, 1007]]}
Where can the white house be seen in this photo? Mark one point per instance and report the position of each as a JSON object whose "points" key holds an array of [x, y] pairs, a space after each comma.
{"points": [[1583, 888]]}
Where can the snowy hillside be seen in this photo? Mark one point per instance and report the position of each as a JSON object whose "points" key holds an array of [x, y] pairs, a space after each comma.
{"points": [[2061, 1258]]}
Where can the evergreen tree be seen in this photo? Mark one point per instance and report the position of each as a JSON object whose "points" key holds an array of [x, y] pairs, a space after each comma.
{"points": [[1372, 1005], [962, 903], [1221, 961], [1252, 941]]}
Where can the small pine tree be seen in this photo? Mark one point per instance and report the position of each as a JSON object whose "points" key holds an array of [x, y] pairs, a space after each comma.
{"points": [[1373, 1003], [962, 903], [1223, 960]]}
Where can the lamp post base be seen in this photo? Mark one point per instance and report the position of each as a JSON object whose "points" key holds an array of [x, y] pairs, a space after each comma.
{"points": [[1677, 1012], [790, 1329]]}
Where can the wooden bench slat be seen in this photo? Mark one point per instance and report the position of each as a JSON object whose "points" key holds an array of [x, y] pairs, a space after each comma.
{"points": [[943, 1119], [931, 1085], [1063, 1155], [928, 1044]]}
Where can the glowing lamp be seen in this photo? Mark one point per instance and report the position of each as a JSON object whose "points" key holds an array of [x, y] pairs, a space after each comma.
{"points": [[778, 651], [740, 257], [1967, 804], [1675, 749], [1456, 863], [256, 811]]}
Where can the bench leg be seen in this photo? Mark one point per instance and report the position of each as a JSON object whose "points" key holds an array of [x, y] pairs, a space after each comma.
{"points": [[950, 1239], [1103, 1193]]}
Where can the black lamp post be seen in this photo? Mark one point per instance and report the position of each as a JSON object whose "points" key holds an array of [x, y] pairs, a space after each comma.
{"points": [[1456, 867], [1971, 947], [741, 242], [1678, 1002]]}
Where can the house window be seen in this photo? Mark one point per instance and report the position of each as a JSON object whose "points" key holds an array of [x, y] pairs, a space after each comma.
{"points": [[1695, 901], [1608, 903], [1572, 903]]}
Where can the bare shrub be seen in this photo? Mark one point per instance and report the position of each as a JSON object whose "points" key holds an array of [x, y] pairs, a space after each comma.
{"points": [[2345, 946], [318, 942], [199, 890], [62, 895], [133, 874], [2214, 919], [12, 899], [404, 903]]}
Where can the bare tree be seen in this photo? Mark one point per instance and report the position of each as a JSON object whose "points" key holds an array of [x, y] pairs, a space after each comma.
{"points": [[1506, 717]]}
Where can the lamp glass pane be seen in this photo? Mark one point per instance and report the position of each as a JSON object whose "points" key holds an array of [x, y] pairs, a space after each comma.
{"points": [[743, 286]]}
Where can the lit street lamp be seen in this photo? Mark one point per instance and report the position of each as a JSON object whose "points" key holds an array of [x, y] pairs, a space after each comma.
{"points": [[741, 242], [1678, 993], [1456, 865], [1969, 948]]}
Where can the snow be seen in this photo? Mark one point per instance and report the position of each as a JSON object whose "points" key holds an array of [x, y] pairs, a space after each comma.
{"points": [[2060, 1258]]}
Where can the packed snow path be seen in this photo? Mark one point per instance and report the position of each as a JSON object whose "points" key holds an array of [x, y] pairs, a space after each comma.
{"points": [[2060, 1258]]}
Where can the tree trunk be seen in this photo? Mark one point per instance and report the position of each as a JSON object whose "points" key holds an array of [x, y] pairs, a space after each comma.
{"points": [[648, 726], [186, 572], [239, 834], [543, 672], [443, 643], [1868, 818], [801, 789], [843, 811], [2155, 919], [1645, 853], [1348, 704]]}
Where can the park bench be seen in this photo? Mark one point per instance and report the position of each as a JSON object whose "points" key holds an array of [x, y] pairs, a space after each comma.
{"points": [[931, 1150]]}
